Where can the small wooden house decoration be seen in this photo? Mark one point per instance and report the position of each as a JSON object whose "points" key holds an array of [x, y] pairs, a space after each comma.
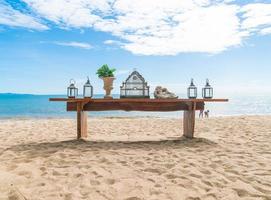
{"points": [[135, 86]]}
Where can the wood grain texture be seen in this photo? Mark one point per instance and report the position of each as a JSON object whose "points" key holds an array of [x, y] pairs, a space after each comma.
{"points": [[189, 121], [189, 106], [188, 124], [126, 100], [81, 121], [134, 106]]}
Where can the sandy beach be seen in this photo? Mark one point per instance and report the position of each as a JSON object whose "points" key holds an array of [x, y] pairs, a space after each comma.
{"points": [[134, 159]]}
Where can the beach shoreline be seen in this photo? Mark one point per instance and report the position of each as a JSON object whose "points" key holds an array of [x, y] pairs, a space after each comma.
{"points": [[127, 116]]}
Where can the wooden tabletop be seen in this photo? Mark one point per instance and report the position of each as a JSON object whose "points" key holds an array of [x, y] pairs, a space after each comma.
{"points": [[135, 100]]}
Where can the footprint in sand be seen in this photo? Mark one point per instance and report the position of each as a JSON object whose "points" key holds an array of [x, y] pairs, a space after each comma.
{"points": [[133, 198], [110, 181], [157, 185], [207, 183], [78, 175], [206, 172], [68, 196], [56, 173], [95, 173], [94, 182], [153, 170], [195, 175], [151, 180], [26, 174], [171, 176], [169, 166], [41, 184], [124, 163], [12, 167], [42, 169], [241, 192], [139, 163], [211, 196], [193, 198]]}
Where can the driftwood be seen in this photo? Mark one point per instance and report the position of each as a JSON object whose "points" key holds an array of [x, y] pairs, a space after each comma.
{"points": [[163, 93]]}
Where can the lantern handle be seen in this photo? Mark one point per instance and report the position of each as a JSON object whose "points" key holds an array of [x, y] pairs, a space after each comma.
{"points": [[88, 82], [192, 82], [72, 81], [207, 82]]}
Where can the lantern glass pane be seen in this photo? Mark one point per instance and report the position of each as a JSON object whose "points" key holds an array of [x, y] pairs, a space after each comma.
{"points": [[192, 93], [72, 92], [207, 92], [88, 91]]}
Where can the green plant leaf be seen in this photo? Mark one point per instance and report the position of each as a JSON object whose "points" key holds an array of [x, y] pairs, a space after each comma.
{"points": [[105, 71]]}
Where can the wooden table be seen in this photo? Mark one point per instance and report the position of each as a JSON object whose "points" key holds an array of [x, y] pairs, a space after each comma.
{"points": [[189, 106]]}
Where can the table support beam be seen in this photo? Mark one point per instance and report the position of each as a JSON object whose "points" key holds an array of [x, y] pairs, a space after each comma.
{"points": [[81, 122], [189, 106], [189, 121]]}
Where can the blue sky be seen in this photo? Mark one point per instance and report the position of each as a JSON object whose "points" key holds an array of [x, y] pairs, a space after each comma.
{"points": [[45, 43]]}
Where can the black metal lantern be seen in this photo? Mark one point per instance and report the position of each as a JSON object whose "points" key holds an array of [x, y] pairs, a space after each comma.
{"points": [[192, 90], [207, 91], [72, 91], [88, 90]]}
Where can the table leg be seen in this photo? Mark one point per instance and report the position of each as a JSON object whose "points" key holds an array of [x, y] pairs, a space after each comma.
{"points": [[189, 121], [81, 122]]}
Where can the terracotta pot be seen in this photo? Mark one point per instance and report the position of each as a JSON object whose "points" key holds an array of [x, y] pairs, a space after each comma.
{"points": [[108, 86]]}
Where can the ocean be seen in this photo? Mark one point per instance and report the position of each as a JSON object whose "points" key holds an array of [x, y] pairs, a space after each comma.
{"points": [[38, 106]]}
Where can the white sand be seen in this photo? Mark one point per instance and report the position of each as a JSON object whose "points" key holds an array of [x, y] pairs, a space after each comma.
{"points": [[230, 158]]}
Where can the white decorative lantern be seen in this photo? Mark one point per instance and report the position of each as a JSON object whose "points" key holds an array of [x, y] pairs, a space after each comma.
{"points": [[88, 90], [192, 90], [207, 91], [72, 91]]}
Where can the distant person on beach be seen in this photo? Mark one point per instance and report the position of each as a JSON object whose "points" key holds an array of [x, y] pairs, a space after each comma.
{"points": [[206, 114], [201, 113]]}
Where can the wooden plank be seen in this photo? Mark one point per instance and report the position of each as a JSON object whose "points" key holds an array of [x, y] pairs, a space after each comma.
{"points": [[84, 133], [189, 121], [81, 121], [188, 105], [135, 106], [136, 100]]}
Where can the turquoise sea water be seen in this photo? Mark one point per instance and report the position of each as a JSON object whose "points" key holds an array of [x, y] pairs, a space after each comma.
{"points": [[38, 106]]}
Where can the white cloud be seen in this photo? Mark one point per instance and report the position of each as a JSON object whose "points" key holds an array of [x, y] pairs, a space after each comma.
{"points": [[81, 45], [209, 29], [266, 31], [159, 27], [14, 18], [256, 15], [153, 27], [76, 13], [113, 42]]}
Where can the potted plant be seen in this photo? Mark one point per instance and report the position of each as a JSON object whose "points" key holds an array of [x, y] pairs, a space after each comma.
{"points": [[107, 74]]}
